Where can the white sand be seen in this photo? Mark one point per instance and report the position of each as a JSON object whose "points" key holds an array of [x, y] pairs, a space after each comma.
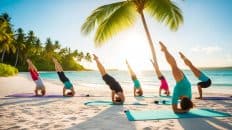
{"points": [[71, 113]]}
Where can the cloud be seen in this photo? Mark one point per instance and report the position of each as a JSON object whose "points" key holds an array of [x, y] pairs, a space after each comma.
{"points": [[207, 50]]}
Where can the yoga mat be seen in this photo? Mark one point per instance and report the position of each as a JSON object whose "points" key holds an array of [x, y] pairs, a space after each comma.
{"points": [[169, 114], [106, 103], [217, 98], [32, 95], [152, 96]]}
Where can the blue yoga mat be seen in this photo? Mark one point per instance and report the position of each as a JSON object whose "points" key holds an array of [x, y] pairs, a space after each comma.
{"points": [[106, 103], [169, 114]]}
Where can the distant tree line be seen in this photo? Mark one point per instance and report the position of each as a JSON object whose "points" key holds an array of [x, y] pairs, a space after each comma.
{"points": [[16, 46]]}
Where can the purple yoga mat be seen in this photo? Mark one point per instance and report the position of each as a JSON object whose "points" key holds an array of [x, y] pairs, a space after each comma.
{"points": [[217, 98], [27, 95]]}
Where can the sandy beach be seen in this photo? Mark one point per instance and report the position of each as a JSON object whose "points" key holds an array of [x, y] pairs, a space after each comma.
{"points": [[71, 113]]}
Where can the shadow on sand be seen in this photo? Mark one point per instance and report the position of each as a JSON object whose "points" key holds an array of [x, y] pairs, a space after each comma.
{"points": [[110, 119]]}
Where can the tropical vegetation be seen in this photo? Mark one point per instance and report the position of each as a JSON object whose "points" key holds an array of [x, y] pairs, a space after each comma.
{"points": [[7, 70], [16, 46]]}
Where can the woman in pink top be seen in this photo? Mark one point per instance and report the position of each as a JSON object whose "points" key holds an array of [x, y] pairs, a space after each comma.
{"points": [[35, 77], [164, 84]]}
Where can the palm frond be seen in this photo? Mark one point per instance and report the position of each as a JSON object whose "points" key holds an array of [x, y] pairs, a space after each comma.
{"points": [[99, 15], [165, 11], [121, 18]]}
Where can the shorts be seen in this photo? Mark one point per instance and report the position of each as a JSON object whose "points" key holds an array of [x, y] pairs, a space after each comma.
{"points": [[39, 83], [113, 84], [68, 85], [205, 84]]}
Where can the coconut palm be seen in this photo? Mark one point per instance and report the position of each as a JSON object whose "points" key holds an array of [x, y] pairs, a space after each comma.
{"points": [[112, 18], [6, 35], [19, 43]]}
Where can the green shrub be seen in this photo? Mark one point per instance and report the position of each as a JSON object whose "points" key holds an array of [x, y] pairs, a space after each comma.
{"points": [[7, 70]]}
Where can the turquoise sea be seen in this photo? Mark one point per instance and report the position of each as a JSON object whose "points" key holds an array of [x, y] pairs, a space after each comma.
{"points": [[220, 78]]}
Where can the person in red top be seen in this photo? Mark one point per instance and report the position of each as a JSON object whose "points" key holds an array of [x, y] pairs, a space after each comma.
{"points": [[36, 78]]}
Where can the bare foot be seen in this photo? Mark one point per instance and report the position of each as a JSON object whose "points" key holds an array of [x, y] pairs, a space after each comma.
{"points": [[199, 98], [163, 47], [182, 56], [95, 57]]}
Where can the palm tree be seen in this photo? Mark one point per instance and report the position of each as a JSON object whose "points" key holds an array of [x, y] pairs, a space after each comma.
{"points": [[112, 18], [6, 35], [19, 43], [88, 57]]}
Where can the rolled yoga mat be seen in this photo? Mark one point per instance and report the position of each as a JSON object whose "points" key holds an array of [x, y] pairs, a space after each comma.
{"points": [[169, 114]]}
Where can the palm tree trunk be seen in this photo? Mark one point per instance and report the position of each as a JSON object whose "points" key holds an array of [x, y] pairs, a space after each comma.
{"points": [[17, 57], [3, 54], [148, 37]]}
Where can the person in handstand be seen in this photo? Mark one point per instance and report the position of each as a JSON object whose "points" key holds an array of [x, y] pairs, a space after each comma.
{"points": [[67, 84], [163, 82], [137, 86], [38, 81], [205, 81], [117, 91], [182, 89]]}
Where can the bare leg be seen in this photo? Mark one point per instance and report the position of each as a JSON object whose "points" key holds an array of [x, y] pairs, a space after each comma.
{"points": [[99, 65], [187, 62], [58, 67], [195, 71], [156, 67], [177, 73], [200, 92]]}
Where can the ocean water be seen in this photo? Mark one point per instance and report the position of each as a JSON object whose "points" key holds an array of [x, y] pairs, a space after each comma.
{"points": [[220, 78]]}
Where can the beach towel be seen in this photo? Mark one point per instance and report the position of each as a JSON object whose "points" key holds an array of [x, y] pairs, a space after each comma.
{"points": [[106, 103], [169, 114]]}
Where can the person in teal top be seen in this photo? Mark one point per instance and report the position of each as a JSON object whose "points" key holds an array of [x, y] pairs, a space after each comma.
{"points": [[137, 86], [205, 81], [182, 90]]}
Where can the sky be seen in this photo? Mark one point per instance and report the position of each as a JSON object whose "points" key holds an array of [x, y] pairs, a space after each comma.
{"points": [[205, 37]]}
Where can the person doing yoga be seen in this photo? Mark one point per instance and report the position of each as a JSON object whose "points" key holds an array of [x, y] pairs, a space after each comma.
{"points": [[182, 89], [117, 92], [137, 86], [163, 82], [35, 76], [67, 84], [205, 81]]}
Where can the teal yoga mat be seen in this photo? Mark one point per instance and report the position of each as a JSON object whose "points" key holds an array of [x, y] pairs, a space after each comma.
{"points": [[106, 103], [169, 114]]}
